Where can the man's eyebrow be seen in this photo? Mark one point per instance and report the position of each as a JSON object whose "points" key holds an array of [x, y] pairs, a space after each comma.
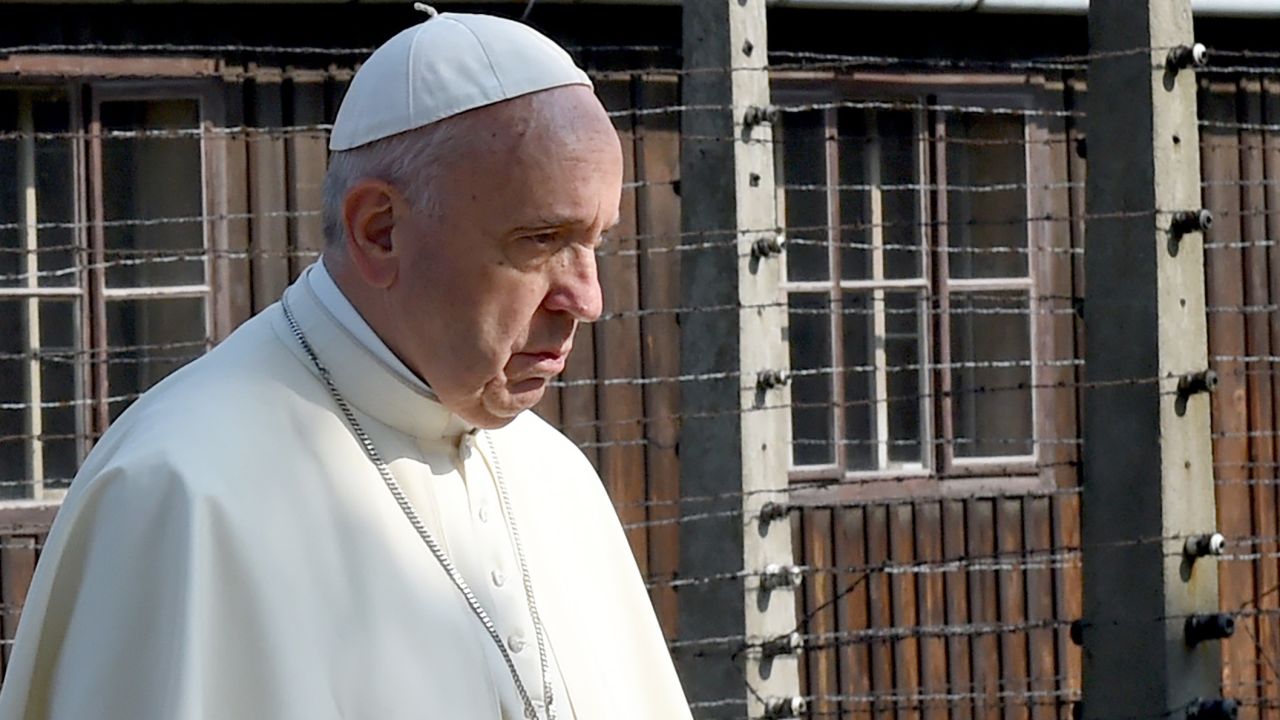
{"points": [[551, 222]]}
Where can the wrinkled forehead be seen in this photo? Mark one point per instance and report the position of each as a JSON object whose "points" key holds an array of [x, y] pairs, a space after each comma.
{"points": [[536, 165]]}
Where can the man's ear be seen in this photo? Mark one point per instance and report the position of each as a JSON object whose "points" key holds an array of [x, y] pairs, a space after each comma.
{"points": [[369, 212]]}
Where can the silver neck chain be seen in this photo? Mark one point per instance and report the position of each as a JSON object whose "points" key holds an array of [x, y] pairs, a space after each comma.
{"points": [[411, 513]]}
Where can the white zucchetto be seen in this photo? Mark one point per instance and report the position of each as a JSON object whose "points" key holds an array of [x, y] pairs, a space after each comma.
{"points": [[452, 63]]}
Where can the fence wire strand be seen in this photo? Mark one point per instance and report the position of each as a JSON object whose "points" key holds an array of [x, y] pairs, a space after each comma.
{"points": [[932, 235]]}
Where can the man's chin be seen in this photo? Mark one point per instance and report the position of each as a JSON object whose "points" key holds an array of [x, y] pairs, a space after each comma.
{"points": [[503, 403]]}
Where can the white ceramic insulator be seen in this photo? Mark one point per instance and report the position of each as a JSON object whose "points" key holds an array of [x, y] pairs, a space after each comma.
{"points": [[787, 707], [1199, 55], [777, 576]]}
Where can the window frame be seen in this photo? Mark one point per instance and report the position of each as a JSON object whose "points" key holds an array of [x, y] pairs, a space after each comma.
{"points": [[836, 287], [33, 292], [946, 286], [943, 473], [87, 82], [205, 94]]}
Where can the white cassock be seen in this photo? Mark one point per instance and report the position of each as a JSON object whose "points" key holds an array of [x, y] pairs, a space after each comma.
{"points": [[228, 551]]}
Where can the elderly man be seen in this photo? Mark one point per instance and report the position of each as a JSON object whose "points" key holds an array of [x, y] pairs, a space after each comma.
{"points": [[344, 510]]}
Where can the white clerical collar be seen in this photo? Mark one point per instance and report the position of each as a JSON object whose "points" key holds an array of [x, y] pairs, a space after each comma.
{"points": [[365, 379], [330, 295]]}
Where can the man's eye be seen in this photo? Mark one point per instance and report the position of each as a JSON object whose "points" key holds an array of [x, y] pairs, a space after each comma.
{"points": [[543, 239]]}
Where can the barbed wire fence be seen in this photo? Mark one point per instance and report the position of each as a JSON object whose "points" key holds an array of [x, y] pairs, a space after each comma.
{"points": [[932, 234]]}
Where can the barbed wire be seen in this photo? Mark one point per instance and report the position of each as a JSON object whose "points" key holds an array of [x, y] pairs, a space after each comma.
{"points": [[976, 563], [181, 48], [641, 381], [322, 131], [1024, 559], [820, 618]]}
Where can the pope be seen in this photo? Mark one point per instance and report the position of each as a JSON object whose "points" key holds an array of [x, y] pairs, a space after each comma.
{"points": [[345, 510]]}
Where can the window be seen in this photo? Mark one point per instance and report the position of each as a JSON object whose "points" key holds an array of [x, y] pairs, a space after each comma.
{"points": [[104, 267], [912, 252]]}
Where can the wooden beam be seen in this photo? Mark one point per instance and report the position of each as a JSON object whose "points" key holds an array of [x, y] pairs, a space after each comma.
{"points": [[26, 517], [268, 201], [83, 66]]}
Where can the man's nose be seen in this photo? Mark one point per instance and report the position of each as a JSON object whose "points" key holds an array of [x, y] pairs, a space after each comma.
{"points": [[575, 288]]}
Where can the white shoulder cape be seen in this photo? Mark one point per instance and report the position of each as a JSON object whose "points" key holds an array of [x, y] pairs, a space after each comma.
{"points": [[228, 552]]}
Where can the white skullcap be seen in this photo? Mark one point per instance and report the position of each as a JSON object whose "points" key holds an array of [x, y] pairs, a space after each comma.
{"points": [[449, 64]]}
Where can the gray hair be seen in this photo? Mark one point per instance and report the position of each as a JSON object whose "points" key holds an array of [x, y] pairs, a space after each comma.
{"points": [[412, 161]]}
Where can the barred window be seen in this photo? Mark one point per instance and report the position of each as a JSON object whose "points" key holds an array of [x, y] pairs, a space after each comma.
{"points": [[911, 283], [104, 272]]}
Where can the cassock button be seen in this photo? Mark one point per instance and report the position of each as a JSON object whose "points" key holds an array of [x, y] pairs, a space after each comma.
{"points": [[516, 643], [498, 578]]}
